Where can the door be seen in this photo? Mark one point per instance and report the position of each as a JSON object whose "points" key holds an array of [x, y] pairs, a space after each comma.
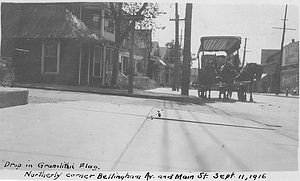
{"points": [[84, 68]]}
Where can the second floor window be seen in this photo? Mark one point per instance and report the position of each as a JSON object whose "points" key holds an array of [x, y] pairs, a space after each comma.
{"points": [[96, 21], [108, 22]]}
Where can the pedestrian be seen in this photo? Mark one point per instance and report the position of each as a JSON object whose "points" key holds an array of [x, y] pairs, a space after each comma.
{"points": [[287, 91]]}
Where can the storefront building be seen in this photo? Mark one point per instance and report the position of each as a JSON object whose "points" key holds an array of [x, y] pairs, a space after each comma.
{"points": [[290, 67]]}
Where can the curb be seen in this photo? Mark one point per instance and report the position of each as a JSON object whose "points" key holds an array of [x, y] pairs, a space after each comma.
{"points": [[183, 99], [13, 97], [290, 96]]}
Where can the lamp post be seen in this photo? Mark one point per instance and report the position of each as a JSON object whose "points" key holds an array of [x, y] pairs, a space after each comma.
{"points": [[134, 18]]}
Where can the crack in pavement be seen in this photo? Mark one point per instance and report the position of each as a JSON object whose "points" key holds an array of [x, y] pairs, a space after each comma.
{"points": [[216, 124], [129, 143]]}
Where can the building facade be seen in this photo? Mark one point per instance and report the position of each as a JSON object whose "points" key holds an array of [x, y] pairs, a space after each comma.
{"points": [[269, 59], [59, 43], [65, 43], [290, 67]]}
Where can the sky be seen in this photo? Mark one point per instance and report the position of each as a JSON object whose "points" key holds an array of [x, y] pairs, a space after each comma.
{"points": [[254, 20]]}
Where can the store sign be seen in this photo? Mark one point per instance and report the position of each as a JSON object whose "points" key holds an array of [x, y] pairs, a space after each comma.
{"points": [[290, 78], [291, 54]]}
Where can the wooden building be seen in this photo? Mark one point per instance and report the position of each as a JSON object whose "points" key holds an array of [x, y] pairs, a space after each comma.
{"points": [[49, 44]]}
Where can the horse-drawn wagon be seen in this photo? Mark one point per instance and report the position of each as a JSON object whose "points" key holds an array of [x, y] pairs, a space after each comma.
{"points": [[219, 68]]}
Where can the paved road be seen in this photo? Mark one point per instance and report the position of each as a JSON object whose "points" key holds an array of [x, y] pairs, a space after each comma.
{"points": [[129, 134], [279, 112]]}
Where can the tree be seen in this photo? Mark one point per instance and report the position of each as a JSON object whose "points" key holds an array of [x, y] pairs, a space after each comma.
{"points": [[123, 26]]}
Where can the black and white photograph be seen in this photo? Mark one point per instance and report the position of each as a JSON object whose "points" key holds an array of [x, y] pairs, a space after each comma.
{"points": [[149, 90]]}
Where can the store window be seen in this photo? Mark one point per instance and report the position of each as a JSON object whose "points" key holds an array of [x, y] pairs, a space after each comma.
{"points": [[50, 57], [97, 66]]}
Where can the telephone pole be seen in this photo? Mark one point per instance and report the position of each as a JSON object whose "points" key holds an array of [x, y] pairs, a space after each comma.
{"points": [[279, 64], [176, 71], [180, 43], [186, 69], [277, 91], [244, 52]]}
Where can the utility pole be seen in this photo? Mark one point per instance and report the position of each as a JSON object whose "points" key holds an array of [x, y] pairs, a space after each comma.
{"points": [[180, 43], [176, 71], [244, 52], [176, 63], [279, 64], [186, 69], [281, 53]]}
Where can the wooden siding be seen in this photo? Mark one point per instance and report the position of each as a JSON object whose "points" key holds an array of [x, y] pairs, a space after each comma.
{"points": [[28, 65]]}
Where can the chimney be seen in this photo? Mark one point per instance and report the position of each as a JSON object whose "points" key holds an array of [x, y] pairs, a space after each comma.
{"points": [[293, 40]]}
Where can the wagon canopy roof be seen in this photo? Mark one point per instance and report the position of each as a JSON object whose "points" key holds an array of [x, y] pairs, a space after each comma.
{"points": [[229, 44], [46, 21]]}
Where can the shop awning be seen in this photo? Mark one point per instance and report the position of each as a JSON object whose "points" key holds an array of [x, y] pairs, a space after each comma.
{"points": [[46, 21], [229, 44]]}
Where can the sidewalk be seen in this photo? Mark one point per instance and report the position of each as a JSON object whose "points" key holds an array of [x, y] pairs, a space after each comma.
{"points": [[162, 94]]}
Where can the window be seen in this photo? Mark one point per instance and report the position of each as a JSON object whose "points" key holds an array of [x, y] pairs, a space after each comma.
{"points": [[50, 57], [96, 21], [97, 61], [125, 64], [108, 22]]}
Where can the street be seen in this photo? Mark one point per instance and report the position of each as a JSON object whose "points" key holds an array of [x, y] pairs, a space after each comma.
{"points": [[115, 133]]}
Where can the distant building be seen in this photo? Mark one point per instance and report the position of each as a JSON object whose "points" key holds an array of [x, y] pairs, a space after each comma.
{"points": [[290, 67], [269, 59], [141, 51], [289, 71], [194, 75], [159, 65], [266, 53]]}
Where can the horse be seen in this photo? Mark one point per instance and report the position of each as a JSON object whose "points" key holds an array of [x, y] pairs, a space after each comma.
{"points": [[250, 72], [206, 79], [226, 76]]}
